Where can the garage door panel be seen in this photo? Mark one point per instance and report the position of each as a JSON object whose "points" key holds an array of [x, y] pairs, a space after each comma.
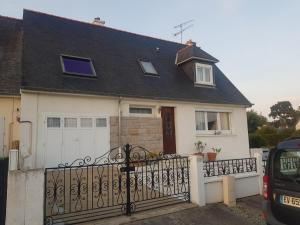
{"points": [[102, 141], [71, 145], [54, 148], [87, 143]]}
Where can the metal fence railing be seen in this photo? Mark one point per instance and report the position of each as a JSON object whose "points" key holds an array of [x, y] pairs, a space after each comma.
{"points": [[231, 166], [3, 188]]}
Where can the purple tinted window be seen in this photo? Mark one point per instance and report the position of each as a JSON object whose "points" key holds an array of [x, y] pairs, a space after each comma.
{"points": [[79, 66]]}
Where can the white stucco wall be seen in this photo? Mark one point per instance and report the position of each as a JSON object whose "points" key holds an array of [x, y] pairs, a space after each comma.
{"points": [[25, 197], [34, 106]]}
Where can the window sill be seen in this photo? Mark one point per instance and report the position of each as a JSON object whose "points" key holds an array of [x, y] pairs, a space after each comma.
{"points": [[204, 85], [215, 135]]}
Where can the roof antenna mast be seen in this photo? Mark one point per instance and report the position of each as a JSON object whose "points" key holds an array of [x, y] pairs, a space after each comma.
{"points": [[182, 27]]}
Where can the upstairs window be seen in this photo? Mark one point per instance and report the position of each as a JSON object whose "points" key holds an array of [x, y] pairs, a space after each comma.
{"points": [[148, 67], [77, 66], [204, 74]]}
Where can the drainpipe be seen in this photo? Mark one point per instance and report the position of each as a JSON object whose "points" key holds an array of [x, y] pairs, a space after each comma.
{"points": [[27, 152], [119, 124]]}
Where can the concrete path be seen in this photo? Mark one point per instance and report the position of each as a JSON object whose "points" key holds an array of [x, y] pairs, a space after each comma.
{"points": [[247, 212]]}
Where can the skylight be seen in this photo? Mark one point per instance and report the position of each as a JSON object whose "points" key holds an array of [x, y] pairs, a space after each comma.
{"points": [[148, 67], [77, 66]]}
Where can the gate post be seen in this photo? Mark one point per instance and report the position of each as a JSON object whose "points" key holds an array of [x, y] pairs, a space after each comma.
{"points": [[260, 170], [197, 180], [127, 162]]}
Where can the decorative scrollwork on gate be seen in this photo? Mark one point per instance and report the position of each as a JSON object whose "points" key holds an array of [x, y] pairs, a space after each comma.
{"points": [[122, 181]]}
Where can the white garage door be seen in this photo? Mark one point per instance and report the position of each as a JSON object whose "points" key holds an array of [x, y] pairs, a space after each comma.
{"points": [[70, 138]]}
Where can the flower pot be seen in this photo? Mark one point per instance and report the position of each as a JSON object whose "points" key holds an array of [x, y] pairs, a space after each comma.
{"points": [[211, 156]]}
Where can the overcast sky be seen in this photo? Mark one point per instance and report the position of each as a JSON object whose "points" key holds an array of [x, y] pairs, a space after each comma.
{"points": [[257, 42]]}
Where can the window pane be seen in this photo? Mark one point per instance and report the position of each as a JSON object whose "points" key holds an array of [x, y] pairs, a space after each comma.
{"points": [[53, 122], [212, 123], [70, 122], [79, 66], [200, 120], [199, 74], [207, 75], [224, 119], [86, 122], [148, 67], [140, 110], [100, 122]]}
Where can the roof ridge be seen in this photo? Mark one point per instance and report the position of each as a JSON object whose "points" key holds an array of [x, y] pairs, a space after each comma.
{"points": [[105, 27], [9, 17]]}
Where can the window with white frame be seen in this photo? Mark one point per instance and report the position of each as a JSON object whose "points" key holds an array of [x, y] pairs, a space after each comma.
{"points": [[70, 122], [212, 122], [101, 122], [86, 122], [53, 122], [140, 110], [204, 74]]}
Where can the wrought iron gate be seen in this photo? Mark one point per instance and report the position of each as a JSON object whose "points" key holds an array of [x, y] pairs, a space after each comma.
{"points": [[120, 182]]}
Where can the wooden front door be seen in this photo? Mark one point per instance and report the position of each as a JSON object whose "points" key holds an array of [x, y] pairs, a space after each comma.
{"points": [[168, 125]]}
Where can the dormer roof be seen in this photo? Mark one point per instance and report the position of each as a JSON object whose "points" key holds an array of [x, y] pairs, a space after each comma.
{"points": [[191, 51]]}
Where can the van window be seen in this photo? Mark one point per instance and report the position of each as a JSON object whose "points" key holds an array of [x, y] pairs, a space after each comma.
{"points": [[286, 164]]}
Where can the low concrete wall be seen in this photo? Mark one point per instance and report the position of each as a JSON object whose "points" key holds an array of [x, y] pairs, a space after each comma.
{"points": [[25, 195], [206, 190], [245, 185]]}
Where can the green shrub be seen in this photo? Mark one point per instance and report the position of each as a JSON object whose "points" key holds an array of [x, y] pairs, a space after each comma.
{"points": [[270, 135], [296, 133], [256, 141], [285, 133], [273, 135]]}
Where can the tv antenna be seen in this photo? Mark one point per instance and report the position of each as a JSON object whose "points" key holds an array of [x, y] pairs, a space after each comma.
{"points": [[183, 27]]}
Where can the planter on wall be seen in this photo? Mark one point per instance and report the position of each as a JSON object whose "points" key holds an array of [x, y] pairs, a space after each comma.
{"points": [[199, 154], [211, 156]]}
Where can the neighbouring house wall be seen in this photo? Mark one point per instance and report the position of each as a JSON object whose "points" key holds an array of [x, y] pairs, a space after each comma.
{"points": [[34, 106], [142, 131], [9, 107]]}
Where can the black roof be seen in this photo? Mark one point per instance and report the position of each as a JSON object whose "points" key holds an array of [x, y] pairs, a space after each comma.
{"points": [[115, 55], [10, 55]]}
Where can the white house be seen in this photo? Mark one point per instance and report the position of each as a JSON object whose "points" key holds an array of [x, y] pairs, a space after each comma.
{"points": [[87, 88]]}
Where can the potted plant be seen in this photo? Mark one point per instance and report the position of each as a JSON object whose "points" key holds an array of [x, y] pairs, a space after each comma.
{"points": [[200, 147], [211, 156]]}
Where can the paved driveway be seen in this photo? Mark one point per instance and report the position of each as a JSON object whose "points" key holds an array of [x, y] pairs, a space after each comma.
{"points": [[247, 212]]}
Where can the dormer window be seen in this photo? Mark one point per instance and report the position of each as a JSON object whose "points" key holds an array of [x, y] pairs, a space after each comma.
{"points": [[204, 74], [148, 67]]}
